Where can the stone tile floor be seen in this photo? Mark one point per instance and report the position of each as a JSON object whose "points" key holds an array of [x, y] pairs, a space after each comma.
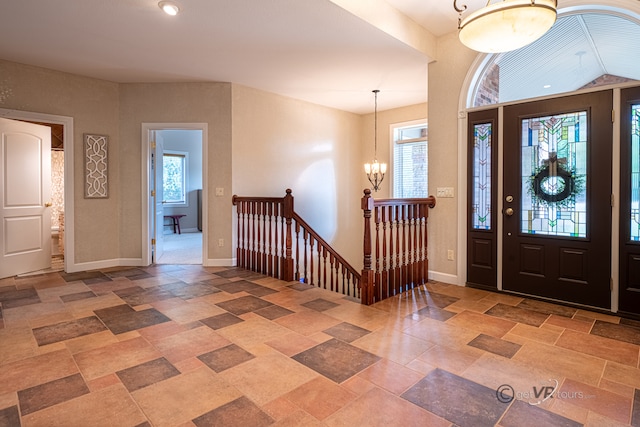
{"points": [[183, 345]]}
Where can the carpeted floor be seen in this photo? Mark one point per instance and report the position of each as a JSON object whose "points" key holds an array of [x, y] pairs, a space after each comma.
{"points": [[185, 248]]}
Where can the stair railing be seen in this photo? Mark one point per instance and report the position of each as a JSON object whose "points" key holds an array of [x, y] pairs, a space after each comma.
{"points": [[400, 252], [274, 240]]}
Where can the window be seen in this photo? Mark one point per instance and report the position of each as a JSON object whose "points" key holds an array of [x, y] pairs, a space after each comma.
{"points": [[410, 162], [174, 178]]}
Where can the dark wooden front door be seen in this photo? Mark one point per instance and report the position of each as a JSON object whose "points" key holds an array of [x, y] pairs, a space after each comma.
{"points": [[629, 299], [557, 199]]}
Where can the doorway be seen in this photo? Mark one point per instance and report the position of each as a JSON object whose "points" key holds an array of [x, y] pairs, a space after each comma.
{"points": [[557, 187], [62, 143], [175, 176]]}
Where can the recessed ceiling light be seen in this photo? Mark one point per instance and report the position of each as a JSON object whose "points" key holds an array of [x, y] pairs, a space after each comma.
{"points": [[169, 7], [546, 86]]}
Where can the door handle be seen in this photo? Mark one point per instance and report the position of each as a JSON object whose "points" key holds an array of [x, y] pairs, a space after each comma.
{"points": [[48, 204], [508, 211]]}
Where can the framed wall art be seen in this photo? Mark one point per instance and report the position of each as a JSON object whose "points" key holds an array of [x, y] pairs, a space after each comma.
{"points": [[96, 168]]}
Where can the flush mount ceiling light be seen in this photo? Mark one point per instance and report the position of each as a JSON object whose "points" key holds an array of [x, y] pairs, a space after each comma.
{"points": [[506, 25], [169, 7]]}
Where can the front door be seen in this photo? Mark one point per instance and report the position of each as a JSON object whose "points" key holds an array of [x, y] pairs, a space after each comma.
{"points": [[557, 199], [25, 195]]}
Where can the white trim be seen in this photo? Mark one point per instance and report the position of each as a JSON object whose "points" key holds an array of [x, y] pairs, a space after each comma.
{"points": [[220, 262], [451, 279], [108, 263], [615, 210], [69, 191], [146, 189]]}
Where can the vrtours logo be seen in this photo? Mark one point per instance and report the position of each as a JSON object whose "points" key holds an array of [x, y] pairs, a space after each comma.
{"points": [[538, 393]]}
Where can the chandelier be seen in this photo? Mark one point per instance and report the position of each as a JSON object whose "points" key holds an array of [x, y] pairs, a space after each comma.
{"points": [[506, 25], [375, 171]]}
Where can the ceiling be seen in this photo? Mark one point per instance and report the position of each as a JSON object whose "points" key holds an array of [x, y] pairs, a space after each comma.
{"points": [[313, 50]]}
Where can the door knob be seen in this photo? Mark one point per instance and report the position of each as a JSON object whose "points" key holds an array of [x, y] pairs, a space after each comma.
{"points": [[508, 211], [48, 204]]}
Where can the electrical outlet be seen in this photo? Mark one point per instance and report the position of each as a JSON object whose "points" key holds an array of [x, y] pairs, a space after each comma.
{"points": [[450, 254], [221, 242]]}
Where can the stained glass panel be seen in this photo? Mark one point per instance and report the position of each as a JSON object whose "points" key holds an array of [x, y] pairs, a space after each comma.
{"points": [[554, 175], [481, 177], [635, 173]]}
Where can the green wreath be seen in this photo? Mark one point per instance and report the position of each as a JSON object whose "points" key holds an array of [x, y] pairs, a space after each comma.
{"points": [[567, 188]]}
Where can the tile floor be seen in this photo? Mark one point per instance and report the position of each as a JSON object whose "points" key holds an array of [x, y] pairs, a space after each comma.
{"points": [[191, 346]]}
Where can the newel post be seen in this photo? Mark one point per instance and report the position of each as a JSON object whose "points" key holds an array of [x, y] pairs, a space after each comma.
{"points": [[287, 268], [367, 281]]}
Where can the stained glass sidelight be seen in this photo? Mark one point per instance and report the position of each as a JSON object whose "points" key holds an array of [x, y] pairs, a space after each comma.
{"points": [[635, 173], [554, 175], [481, 177]]}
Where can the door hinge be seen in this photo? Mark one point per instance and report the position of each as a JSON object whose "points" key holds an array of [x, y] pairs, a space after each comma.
{"points": [[613, 200], [153, 145], [613, 116], [153, 193], [153, 241]]}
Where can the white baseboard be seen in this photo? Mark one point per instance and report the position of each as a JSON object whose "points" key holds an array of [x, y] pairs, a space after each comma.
{"points": [[451, 279], [137, 262], [107, 263], [220, 262]]}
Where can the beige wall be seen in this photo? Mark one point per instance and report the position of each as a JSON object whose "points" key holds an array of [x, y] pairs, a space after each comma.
{"points": [[446, 79], [281, 143], [176, 103], [385, 120], [93, 104]]}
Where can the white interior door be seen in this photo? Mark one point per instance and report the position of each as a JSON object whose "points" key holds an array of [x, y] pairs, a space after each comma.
{"points": [[157, 171], [25, 193]]}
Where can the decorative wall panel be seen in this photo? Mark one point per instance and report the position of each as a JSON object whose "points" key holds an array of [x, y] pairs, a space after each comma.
{"points": [[96, 167]]}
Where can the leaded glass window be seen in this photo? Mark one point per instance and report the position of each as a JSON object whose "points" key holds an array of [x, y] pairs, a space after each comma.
{"points": [[554, 175], [635, 173], [481, 193]]}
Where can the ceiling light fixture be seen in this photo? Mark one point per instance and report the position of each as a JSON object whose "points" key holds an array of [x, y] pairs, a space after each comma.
{"points": [[506, 25], [375, 171], [169, 7]]}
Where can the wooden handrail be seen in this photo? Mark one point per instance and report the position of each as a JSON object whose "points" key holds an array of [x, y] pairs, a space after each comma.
{"points": [[397, 261], [400, 251], [265, 244]]}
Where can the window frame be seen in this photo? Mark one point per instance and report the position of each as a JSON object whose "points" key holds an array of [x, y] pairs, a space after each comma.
{"points": [[392, 131], [185, 178]]}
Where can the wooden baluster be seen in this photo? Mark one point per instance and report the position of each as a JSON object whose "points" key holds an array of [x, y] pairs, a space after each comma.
{"points": [[297, 276], [270, 242], [398, 269], [288, 214], [384, 285], [413, 260], [324, 267], [305, 261], [426, 251], [331, 261], [336, 272], [259, 250], [310, 258], [423, 272], [377, 288], [282, 260], [392, 276]]}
